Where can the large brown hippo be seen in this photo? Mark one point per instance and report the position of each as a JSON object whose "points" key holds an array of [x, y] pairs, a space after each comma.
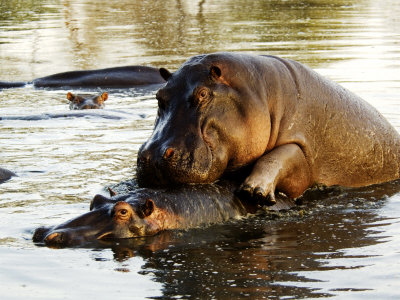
{"points": [[118, 77], [145, 212], [226, 113]]}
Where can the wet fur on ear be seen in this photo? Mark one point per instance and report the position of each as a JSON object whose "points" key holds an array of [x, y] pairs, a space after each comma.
{"points": [[147, 208], [104, 96], [70, 96], [165, 73]]}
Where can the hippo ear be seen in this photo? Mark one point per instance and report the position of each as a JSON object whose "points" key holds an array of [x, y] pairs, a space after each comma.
{"points": [[165, 74], [215, 72], [112, 192], [70, 96], [147, 208]]}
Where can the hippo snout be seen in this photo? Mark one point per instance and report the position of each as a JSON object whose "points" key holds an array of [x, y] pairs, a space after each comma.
{"points": [[166, 164], [83, 229], [54, 238], [153, 165]]}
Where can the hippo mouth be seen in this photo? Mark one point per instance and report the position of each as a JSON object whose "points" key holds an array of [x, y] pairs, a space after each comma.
{"points": [[107, 235], [178, 167]]}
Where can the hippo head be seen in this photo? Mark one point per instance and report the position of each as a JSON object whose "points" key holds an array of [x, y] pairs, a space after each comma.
{"points": [[119, 217], [210, 121], [84, 102]]}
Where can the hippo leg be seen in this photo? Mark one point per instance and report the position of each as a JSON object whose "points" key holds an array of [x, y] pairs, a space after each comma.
{"points": [[284, 168]]}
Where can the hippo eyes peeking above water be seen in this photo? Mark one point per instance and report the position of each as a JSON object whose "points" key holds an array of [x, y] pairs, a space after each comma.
{"points": [[225, 113], [84, 102]]}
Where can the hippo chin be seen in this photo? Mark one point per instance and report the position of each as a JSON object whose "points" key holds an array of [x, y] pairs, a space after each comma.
{"points": [[78, 102], [146, 212], [224, 113]]}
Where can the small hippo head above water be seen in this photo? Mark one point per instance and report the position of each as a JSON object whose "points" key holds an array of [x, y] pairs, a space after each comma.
{"points": [[86, 102], [126, 216]]}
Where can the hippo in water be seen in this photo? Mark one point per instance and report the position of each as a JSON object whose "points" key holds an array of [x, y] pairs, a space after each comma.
{"points": [[6, 175], [275, 120], [85, 102], [118, 77], [145, 212]]}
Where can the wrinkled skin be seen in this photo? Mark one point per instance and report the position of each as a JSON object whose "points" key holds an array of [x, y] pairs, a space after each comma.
{"points": [[118, 77], [145, 212], [224, 113], [78, 102]]}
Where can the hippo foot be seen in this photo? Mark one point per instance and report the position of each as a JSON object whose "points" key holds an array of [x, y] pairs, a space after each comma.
{"points": [[259, 194]]}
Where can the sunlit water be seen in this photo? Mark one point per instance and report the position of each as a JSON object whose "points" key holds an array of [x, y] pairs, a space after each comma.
{"points": [[343, 244]]}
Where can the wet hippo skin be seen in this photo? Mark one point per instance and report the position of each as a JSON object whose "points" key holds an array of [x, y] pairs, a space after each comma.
{"points": [[226, 113], [6, 175], [118, 77], [145, 212]]}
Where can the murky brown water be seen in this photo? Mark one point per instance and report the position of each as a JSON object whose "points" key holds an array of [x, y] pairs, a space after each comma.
{"points": [[345, 245]]}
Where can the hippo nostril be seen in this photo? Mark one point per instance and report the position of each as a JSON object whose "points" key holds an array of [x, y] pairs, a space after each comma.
{"points": [[168, 153], [144, 157], [56, 238], [52, 236]]}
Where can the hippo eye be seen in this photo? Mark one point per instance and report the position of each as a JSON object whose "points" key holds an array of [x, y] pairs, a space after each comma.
{"points": [[201, 95], [123, 212]]}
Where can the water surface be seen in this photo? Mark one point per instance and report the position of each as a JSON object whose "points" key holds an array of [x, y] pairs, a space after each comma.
{"points": [[342, 244]]}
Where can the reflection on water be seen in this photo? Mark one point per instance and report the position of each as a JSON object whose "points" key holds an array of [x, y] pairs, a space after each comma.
{"points": [[275, 255], [342, 244]]}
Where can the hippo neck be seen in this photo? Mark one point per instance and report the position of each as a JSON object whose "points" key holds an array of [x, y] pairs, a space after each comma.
{"points": [[198, 205]]}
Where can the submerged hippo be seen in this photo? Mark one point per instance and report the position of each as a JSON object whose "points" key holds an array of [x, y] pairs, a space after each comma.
{"points": [[226, 113], [118, 77], [85, 102], [145, 212], [6, 175]]}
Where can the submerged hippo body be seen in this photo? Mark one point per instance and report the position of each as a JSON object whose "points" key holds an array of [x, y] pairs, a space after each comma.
{"points": [[222, 113], [118, 77], [6, 175], [10, 84], [145, 212], [78, 102]]}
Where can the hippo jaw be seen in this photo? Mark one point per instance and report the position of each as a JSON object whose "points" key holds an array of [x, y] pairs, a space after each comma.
{"points": [[175, 165], [83, 229]]}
